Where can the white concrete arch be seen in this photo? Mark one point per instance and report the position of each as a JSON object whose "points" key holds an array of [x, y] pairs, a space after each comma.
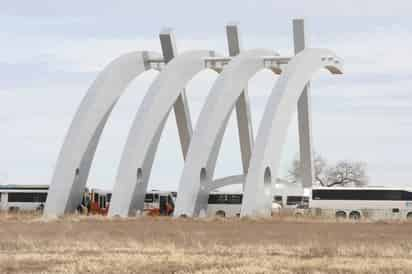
{"points": [[138, 155], [226, 181], [203, 150], [264, 164], [76, 155]]}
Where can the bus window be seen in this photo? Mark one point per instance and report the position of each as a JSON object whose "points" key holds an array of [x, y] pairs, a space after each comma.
{"points": [[163, 205], [278, 199], [407, 196], [27, 197], [102, 201], [217, 199], [393, 195], [358, 194], [148, 198], [294, 200], [225, 199], [234, 199]]}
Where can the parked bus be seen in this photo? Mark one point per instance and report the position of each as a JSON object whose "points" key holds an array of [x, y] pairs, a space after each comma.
{"points": [[229, 204], [97, 201], [94, 201], [290, 196], [357, 203], [158, 203], [22, 197], [224, 204], [291, 201], [33, 197]]}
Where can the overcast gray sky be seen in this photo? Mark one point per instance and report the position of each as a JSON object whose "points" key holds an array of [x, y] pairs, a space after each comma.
{"points": [[53, 50]]}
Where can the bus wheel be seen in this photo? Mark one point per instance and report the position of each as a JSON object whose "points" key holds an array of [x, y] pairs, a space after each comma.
{"points": [[221, 213], [354, 215], [340, 215], [409, 216], [14, 209]]}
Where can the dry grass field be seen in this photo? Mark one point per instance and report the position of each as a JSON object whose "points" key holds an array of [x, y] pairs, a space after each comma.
{"points": [[29, 244]]}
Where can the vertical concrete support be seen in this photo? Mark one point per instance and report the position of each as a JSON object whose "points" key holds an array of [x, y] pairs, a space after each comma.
{"points": [[304, 113], [180, 107], [243, 115]]}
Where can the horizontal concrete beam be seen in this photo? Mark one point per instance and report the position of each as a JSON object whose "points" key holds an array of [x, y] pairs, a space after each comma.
{"points": [[274, 63]]}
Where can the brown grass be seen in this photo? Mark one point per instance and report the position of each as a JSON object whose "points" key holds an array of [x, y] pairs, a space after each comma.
{"points": [[74, 244]]}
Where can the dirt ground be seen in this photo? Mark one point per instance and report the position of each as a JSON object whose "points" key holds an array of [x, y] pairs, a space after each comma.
{"points": [[164, 245]]}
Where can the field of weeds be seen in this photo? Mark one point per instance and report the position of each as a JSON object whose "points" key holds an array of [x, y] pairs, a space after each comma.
{"points": [[30, 244]]}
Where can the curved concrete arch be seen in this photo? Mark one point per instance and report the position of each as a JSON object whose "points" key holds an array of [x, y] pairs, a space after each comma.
{"points": [[264, 164], [226, 181], [203, 150], [138, 155], [76, 155]]}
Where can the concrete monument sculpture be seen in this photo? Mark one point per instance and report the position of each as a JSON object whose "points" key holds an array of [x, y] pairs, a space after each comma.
{"points": [[199, 147]]}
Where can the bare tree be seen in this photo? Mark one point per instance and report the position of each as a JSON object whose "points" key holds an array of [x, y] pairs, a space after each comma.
{"points": [[344, 173], [319, 166]]}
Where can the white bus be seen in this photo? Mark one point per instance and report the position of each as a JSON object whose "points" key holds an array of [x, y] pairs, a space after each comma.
{"points": [[291, 201], [224, 204], [290, 195], [356, 203], [22, 197]]}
